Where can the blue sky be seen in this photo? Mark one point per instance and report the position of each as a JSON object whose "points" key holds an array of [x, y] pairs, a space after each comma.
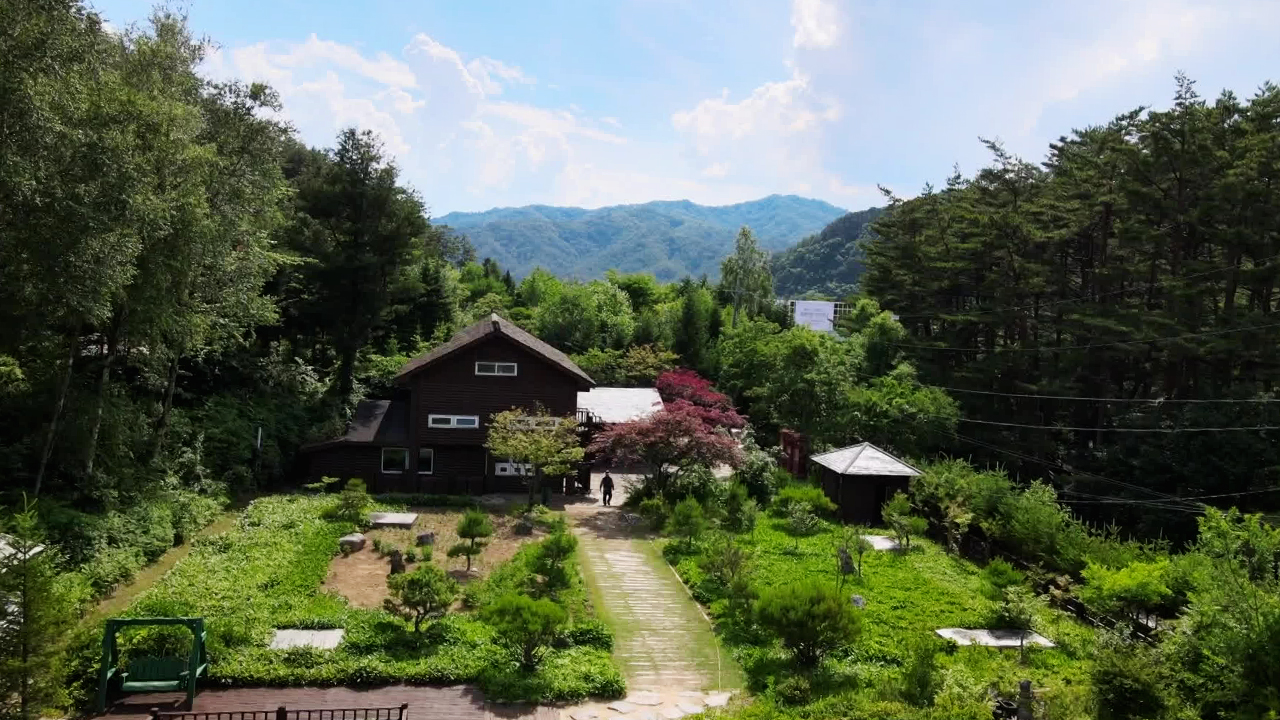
{"points": [[591, 103]]}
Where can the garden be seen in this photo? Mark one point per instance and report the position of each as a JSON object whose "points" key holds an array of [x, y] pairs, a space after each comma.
{"points": [[485, 603]]}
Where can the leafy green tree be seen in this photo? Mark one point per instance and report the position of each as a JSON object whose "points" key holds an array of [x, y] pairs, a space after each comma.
{"points": [[1133, 590], [35, 616], [745, 274], [582, 316], [422, 593], [526, 625], [642, 288], [552, 555], [537, 438], [472, 528], [687, 522], [740, 511], [811, 619], [1129, 680], [1018, 610]]}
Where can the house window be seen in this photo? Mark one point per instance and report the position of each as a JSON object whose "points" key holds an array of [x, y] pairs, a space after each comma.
{"points": [[495, 368], [426, 461], [395, 460], [511, 467], [453, 421]]}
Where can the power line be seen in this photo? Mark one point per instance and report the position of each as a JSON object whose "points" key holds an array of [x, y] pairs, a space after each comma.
{"points": [[1115, 429], [1084, 347], [1147, 286], [1154, 401]]}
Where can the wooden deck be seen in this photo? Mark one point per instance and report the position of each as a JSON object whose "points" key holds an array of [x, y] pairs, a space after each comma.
{"points": [[425, 703]]}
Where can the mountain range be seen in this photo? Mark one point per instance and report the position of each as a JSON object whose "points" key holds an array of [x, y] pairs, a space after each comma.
{"points": [[670, 239], [827, 263]]}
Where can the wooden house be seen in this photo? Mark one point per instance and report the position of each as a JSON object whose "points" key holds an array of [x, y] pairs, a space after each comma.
{"points": [[430, 437], [860, 479]]}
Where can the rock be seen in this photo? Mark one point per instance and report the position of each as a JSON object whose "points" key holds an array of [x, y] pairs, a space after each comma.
{"points": [[644, 698], [351, 543], [622, 706], [690, 708], [674, 713], [523, 527], [859, 601], [426, 539], [718, 699], [397, 562]]}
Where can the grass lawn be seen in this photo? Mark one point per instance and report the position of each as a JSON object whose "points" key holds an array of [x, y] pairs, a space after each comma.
{"points": [[908, 596], [268, 571]]}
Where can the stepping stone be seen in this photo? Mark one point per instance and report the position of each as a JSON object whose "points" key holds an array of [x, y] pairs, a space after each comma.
{"points": [[644, 698], [622, 706], [881, 542], [718, 699], [690, 708], [585, 715], [392, 519], [351, 543], [320, 639], [994, 638], [674, 713], [646, 715]]}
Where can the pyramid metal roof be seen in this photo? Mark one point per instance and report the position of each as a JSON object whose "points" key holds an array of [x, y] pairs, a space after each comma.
{"points": [[863, 459]]}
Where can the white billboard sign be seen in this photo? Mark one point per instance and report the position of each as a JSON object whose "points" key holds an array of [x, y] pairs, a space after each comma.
{"points": [[818, 315]]}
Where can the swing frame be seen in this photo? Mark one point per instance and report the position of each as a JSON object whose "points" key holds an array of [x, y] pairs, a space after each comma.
{"points": [[196, 664]]}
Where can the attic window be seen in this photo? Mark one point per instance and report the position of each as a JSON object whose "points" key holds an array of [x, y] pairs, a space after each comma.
{"points": [[495, 368], [453, 421]]}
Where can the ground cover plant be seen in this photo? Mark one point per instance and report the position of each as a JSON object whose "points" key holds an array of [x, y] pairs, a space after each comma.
{"points": [[891, 663], [267, 573]]}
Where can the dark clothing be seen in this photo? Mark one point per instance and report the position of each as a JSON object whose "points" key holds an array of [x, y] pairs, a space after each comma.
{"points": [[606, 489]]}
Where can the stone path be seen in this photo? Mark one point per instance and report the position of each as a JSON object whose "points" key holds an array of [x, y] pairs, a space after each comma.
{"points": [[664, 645]]}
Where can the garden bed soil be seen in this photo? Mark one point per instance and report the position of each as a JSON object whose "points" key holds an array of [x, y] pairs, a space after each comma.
{"points": [[361, 577]]}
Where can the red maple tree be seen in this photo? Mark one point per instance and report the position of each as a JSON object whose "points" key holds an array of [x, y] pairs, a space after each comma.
{"points": [[685, 384], [670, 442]]}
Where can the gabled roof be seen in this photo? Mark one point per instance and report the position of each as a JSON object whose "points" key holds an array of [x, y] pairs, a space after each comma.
{"points": [[619, 405], [385, 422], [494, 324], [863, 459]]}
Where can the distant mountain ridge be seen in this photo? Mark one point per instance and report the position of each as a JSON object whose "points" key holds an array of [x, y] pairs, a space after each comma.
{"points": [[669, 238], [829, 262]]}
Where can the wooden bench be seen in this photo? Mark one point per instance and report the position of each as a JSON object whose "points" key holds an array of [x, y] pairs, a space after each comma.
{"points": [[154, 674]]}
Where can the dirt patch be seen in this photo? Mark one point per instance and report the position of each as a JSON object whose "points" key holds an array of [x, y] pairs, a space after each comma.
{"points": [[361, 577]]}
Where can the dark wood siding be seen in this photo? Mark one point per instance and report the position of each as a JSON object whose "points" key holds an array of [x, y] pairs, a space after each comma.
{"points": [[859, 498], [451, 387], [345, 462]]}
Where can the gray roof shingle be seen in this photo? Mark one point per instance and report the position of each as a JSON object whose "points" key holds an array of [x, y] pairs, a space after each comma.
{"points": [[863, 459], [493, 324]]}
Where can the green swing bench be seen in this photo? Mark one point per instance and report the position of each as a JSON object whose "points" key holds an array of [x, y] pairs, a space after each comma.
{"points": [[151, 674]]}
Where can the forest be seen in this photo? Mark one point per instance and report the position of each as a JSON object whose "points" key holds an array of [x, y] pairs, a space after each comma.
{"points": [[1079, 354]]}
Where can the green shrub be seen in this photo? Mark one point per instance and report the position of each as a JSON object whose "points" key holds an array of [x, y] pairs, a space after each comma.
{"points": [[921, 679], [586, 632], [740, 511], [353, 503], [424, 592], [1136, 588], [526, 625], [687, 522], [998, 575], [472, 528], [655, 511], [810, 618], [757, 473], [564, 676], [798, 494], [1128, 680], [897, 515], [551, 556]]}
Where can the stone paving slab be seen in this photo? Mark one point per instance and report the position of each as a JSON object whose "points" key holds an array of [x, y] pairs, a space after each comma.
{"points": [[881, 542], [392, 519], [994, 638], [320, 639]]}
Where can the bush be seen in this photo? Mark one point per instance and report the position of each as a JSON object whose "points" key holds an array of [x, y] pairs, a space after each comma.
{"points": [[897, 515], [687, 522], [1128, 680], [526, 625], [586, 632], [740, 511], [1136, 588], [473, 526], [757, 473], [921, 679], [810, 618], [552, 554], [425, 592], [655, 511], [998, 575], [799, 493], [353, 503]]}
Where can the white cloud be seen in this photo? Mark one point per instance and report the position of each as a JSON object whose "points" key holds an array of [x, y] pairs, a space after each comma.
{"points": [[486, 69], [816, 24]]}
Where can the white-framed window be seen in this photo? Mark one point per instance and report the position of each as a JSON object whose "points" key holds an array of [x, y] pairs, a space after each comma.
{"points": [[395, 460], [458, 422], [539, 422], [511, 467], [496, 368], [426, 461]]}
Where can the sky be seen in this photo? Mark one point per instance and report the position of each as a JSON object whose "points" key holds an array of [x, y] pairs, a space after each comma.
{"points": [[603, 102]]}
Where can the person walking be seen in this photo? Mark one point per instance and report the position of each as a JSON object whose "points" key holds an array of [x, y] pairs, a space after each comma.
{"points": [[606, 488]]}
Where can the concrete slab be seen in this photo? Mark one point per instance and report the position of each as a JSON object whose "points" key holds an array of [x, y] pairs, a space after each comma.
{"points": [[319, 639], [392, 519], [994, 638], [622, 706], [718, 699], [645, 698], [689, 707], [881, 542], [673, 713]]}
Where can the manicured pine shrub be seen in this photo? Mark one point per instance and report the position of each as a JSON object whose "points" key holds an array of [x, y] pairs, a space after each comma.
{"points": [[525, 625], [423, 593], [472, 528]]}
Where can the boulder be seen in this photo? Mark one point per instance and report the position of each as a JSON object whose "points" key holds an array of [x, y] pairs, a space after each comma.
{"points": [[428, 538], [351, 543], [397, 562]]}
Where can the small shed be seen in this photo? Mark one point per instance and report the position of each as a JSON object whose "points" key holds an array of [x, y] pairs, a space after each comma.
{"points": [[860, 479]]}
